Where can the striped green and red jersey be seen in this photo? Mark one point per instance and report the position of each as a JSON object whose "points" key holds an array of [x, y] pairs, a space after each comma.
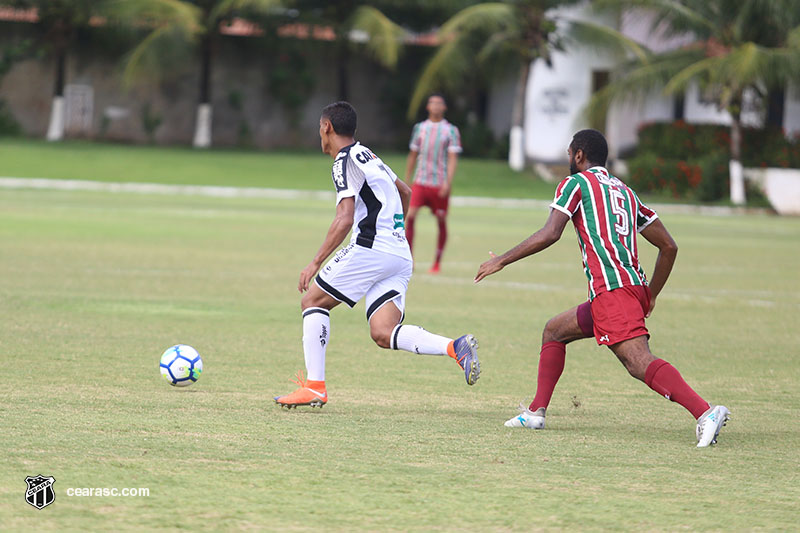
{"points": [[607, 215], [433, 141]]}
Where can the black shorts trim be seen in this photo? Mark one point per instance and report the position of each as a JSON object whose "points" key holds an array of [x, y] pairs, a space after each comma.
{"points": [[312, 310], [333, 292], [380, 301]]}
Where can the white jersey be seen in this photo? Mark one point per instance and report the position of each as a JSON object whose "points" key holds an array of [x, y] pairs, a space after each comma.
{"points": [[378, 219]]}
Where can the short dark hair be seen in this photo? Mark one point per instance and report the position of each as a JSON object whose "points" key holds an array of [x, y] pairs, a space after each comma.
{"points": [[342, 116], [593, 144], [438, 95]]}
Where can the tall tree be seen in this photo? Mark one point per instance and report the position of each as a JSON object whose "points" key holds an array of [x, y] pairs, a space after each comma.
{"points": [[747, 46], [357, 25], [58, 22], [192, 23], [489, 34]]}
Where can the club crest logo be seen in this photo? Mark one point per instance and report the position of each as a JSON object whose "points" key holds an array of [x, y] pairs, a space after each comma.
{"points": [[40, 491]]}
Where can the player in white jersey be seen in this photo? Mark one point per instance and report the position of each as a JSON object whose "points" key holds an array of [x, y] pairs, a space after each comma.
{"points": [[376, 265]]}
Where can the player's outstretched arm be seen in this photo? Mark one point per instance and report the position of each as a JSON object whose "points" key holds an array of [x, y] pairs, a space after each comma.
{"points": [[411, 162], [657, 235], [452, 164], [550, 233], [405, 195], [340, 226]]}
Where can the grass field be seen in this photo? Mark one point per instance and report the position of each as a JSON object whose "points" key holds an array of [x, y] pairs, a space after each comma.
{"points": [[94, 286], [26, 158]]}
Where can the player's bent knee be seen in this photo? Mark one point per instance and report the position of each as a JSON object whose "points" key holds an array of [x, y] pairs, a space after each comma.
{"points": [[550, 332], [307, 301], [381, 337]]}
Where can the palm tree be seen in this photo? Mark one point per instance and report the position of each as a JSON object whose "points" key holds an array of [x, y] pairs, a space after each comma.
{"points": [[354, 23], [58, 22], [189, 22], [750, 46], [495, 33]]}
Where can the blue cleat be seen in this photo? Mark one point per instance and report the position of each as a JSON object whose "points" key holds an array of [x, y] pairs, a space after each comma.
{"points": [[465, 351]]}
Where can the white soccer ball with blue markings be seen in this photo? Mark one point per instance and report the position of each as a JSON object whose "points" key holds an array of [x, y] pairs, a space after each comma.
{"points": [[181, 365]]}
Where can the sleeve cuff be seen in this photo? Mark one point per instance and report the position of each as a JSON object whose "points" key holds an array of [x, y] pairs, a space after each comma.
{"points": [[344, 194], [455, 149], [647, 223], [560, 208]]}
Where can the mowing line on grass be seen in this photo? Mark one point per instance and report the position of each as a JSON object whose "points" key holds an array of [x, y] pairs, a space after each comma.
{"points": [[296, 194]]}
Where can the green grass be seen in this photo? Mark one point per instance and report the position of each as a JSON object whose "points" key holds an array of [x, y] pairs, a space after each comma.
{"points": [[95, 286], [184, 166]]}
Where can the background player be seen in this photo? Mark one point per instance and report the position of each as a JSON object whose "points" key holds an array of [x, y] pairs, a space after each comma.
{"points": [[376, 265], [434, 148], [607, 215]]}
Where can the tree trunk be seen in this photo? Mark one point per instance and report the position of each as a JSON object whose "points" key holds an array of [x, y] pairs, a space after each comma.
{"points": [[342, 58], [516, 147], [55, 130], [735, 164], [776, 105], [202, 131]]}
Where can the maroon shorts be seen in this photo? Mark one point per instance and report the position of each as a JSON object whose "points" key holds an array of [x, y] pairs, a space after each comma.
{"points": [[424, 195], [617, 315]]}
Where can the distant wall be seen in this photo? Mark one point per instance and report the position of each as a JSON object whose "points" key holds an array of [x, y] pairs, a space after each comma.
{"points": [[99, 107]]}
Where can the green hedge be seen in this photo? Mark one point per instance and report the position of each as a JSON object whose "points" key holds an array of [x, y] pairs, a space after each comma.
{"points": [[691, 160]]}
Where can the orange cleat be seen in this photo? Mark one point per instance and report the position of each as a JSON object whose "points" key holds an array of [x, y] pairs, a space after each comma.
{"points": [[435, 269], [311, 393]]}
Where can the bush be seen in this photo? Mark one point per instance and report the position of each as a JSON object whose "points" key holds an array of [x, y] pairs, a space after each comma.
{"points": [[691, 160], [8, 124]]}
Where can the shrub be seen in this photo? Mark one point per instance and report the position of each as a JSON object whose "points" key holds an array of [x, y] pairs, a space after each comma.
{"points": [[8, 124], [691, 160]]}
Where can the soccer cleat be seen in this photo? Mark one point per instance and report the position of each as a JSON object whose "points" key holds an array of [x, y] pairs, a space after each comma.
{"points": [[311, 393], [435, 269], [710, 423], [527, 419], [465, 351]]}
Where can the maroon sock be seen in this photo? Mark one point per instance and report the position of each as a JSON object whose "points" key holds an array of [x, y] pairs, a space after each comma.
{"points": [[663, 378], [442, 239], [551, 364]]}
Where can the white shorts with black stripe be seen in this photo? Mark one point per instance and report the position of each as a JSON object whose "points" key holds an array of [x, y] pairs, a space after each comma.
{"points": [[357, 272]]}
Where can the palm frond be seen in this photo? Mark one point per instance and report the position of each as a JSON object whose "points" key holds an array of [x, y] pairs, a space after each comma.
{"points": [[673, 17], [636, 80], [446, 68], [793, 39], [385, 38], [484, 18], [604, 37], [159, 13], [149, 59], [225, 8]]}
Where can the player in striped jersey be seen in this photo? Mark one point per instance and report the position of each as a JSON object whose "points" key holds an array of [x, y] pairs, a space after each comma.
{"points": [[376, 266], [433, 150], [607, 216]]}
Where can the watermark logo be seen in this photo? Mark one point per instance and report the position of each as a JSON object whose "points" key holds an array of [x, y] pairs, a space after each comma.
{"points": [[40, 491]]}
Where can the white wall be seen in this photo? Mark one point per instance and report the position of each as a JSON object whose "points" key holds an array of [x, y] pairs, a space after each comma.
{"points": [[791, 113], [556, 97]]}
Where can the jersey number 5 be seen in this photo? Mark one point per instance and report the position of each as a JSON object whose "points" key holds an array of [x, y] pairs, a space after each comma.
{"points": [[618, 208]]}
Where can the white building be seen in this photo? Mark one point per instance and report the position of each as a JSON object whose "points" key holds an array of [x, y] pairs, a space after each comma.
{"points": [[557, 96]]}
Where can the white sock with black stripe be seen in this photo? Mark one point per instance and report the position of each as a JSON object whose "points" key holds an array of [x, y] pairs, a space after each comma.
{"points": [[418, 340], [316, 334]]}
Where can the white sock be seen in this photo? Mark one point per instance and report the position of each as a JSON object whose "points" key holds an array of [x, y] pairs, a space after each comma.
{"points": [[417, 340], [316, 334]]}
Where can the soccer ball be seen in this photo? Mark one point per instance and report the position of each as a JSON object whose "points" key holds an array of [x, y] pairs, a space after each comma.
{"points": [[181, 365]]}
